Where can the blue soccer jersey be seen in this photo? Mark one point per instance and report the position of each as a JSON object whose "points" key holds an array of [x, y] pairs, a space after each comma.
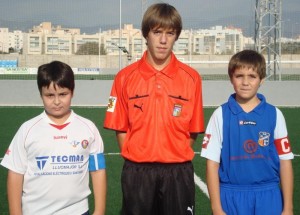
{"points": [[248, 146]]}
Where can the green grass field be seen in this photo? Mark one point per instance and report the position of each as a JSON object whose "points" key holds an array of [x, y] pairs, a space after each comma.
{"points": [[12, 117]]}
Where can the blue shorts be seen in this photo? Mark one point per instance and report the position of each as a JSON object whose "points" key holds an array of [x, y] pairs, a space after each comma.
{"points": [[249, 200]]}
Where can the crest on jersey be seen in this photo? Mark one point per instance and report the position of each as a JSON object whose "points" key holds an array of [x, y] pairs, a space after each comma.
{"points": [[205, 141], [250, 146], [111, 104], [41, 161], [84, 144], [264, 138], [177, 110], [74, 143]]}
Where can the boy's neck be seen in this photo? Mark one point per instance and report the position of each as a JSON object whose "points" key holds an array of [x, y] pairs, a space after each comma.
{"points": [[248, 105], [59, 120]]}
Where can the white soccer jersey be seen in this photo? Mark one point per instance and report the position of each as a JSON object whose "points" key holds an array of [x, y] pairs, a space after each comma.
{"points": [[55, 161]]}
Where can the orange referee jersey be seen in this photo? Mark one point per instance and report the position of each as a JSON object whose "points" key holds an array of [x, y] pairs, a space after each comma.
{"points": [[158, 110]]}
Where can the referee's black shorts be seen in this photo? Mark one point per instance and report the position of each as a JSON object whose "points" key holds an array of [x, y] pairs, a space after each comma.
{"points": [[158, 188]]}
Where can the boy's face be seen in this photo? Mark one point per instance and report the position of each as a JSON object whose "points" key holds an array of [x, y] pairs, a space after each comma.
{"points": [[246, 82], [160, 43], [57, 102]]}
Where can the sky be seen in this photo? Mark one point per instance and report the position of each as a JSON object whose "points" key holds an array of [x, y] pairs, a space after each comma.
{"points": [[92, 15]]}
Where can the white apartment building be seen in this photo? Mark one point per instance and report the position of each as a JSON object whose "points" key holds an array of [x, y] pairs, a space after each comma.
{"points": [[16, 40], [217, 40], [128, 41], [10, 40], [48, 39], [4, 40], [183, 44], [32, 43], [48, 28]]}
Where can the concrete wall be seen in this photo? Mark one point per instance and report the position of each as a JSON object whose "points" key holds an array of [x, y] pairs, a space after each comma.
{"points": [[96, 93], [110, 63]]}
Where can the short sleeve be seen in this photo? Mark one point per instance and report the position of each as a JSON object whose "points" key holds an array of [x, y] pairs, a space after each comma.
{"points": [[15, 158], [213, 138], [281, 139]]}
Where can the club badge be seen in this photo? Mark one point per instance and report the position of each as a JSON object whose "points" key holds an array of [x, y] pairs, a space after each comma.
{"points": [[84, 144], [264, 138], [74, 143], [111, 104], [177, 110]]}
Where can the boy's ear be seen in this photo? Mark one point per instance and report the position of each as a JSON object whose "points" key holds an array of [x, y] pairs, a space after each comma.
{"points": [[230, 78], [262, 81]]}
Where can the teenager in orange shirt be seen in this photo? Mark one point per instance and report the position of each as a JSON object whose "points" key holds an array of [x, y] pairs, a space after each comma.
{"points": [[155, 107]]}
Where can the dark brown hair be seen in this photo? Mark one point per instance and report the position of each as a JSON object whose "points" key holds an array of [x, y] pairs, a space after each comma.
{"points": [[57, 72], [248, 59], [161, 15]]}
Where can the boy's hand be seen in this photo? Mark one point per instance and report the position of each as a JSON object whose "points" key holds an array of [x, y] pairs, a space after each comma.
{"points": [[219, 213], [287, 212]]}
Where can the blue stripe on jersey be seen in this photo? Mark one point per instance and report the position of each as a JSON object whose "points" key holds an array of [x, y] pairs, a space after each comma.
{"points": [[96, 162]]}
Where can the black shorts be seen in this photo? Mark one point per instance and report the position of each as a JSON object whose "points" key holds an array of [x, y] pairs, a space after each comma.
{"points": [[158, 189]]}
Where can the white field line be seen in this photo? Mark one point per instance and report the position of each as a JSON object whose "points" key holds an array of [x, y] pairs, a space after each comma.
{"points": [[201, 185]]}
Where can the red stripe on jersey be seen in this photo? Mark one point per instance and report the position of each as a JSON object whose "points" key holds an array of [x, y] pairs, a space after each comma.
{"points": [[60, 126], [283, 146], [206, 140], [8, 151]]}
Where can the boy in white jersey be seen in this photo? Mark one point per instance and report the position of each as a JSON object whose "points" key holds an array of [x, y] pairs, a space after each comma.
{"points": [[52, 154], [247, 148]]}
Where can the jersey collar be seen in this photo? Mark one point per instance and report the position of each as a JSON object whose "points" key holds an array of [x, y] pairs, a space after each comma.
{"points": [[48, 120], [236, 108], [147, 71]]}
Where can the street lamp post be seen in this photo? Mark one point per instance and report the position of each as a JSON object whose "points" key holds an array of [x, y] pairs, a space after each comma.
{"points": [[99, 46], [293, 40], [1, 51], [120, 36]]}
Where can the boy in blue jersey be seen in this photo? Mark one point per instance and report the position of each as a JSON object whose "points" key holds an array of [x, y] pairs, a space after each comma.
{"points": [[249, 168]]}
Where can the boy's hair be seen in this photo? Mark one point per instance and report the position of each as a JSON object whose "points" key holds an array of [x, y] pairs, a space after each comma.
{"points": [[57, 72], [161, 15], [248, 59]]}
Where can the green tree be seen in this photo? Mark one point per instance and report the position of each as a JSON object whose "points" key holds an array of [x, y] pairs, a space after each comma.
{"points": [[11, 50], [89, 48]]}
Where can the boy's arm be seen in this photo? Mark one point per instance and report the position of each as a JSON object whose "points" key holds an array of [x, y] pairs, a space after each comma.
{"points": [[287, 186], [120, 138], [213, 185], [193, 138], [14, 192], [99, 189]]}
